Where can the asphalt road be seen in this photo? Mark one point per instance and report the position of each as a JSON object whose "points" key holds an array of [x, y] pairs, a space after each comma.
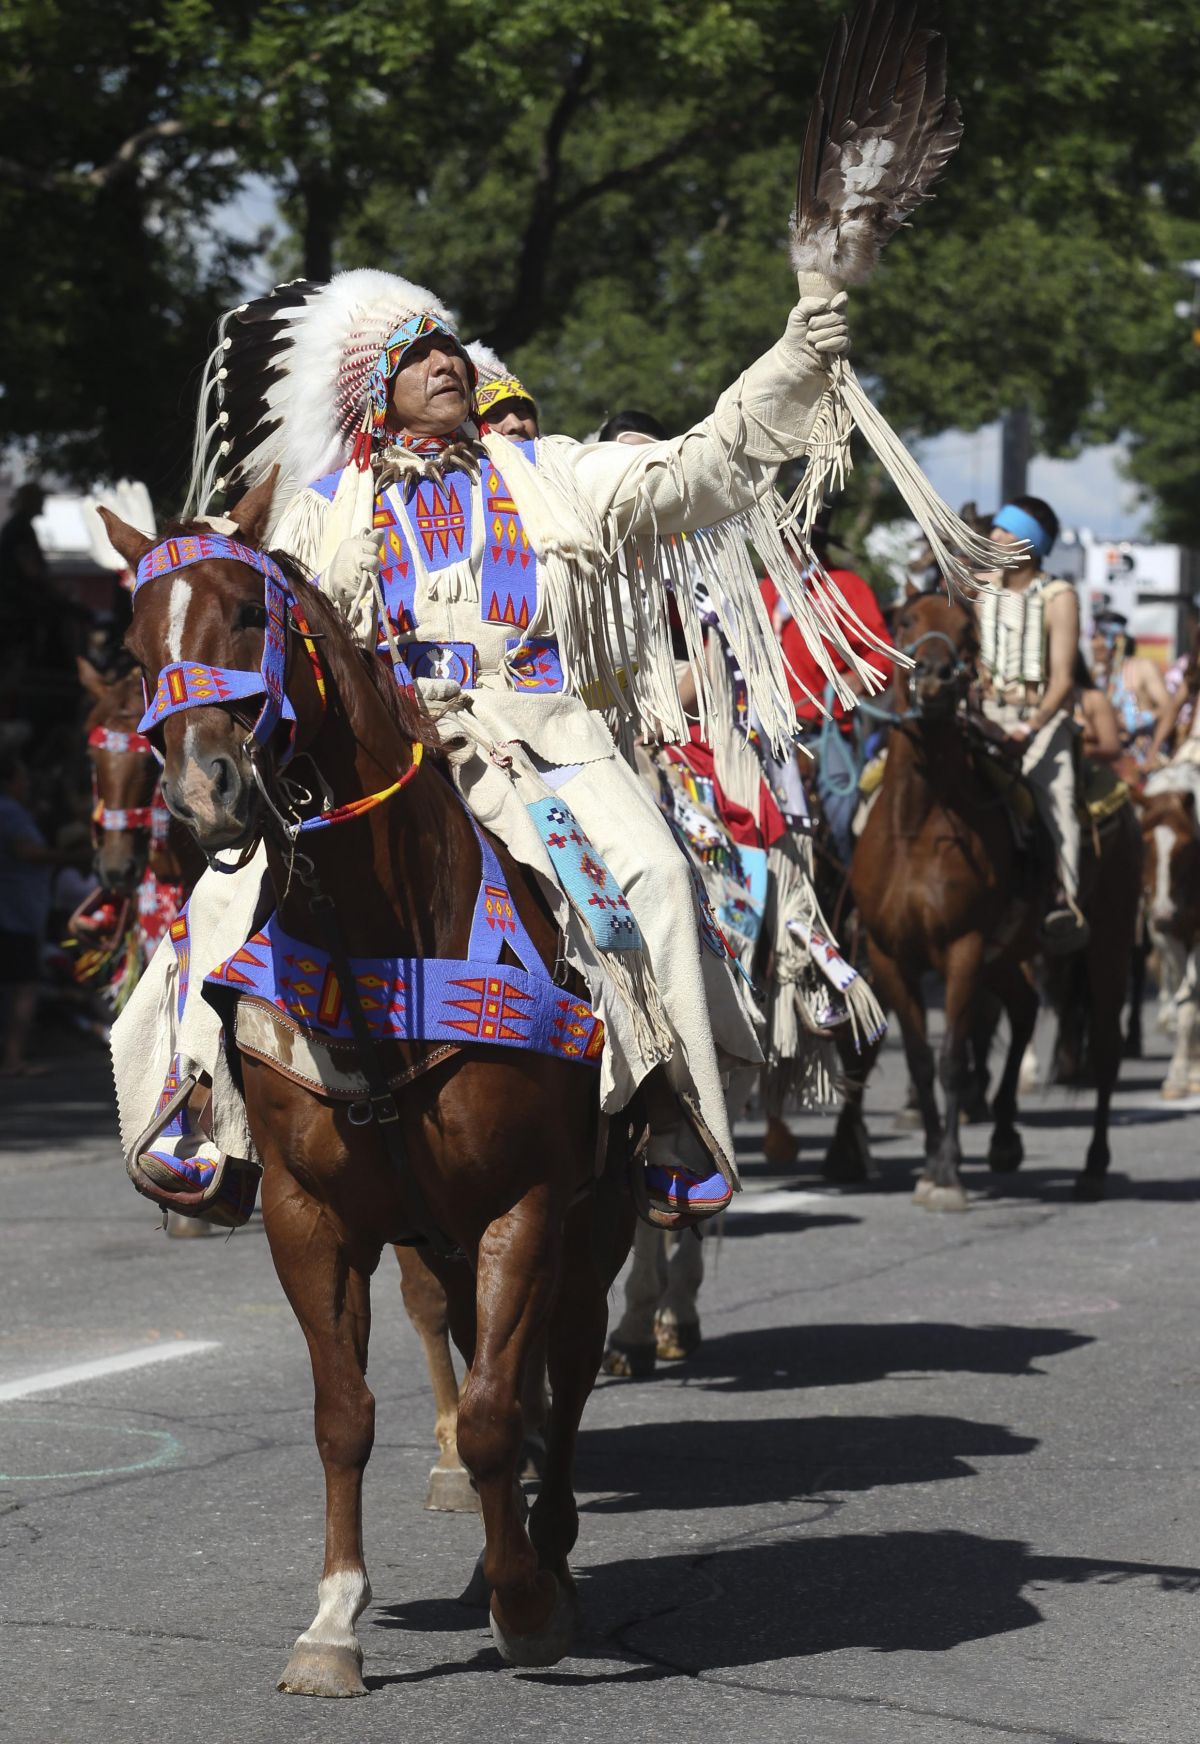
{"points": [[929, 1480]]}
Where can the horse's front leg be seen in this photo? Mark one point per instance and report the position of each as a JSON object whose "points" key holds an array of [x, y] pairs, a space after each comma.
{"points": [[532, 1617], [964, 961], [1006, 1151], [330, 1294], [895, 990], [576, 1342], [848, 1158]]}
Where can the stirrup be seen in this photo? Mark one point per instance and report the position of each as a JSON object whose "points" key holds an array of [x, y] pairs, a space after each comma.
{"points": [[674, 1198], [178, 1169]]}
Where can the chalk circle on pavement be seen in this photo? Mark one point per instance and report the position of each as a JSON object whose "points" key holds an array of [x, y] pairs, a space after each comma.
{"points": [[54, 1437]]}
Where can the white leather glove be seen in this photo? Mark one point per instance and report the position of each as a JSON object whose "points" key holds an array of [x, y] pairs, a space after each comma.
{"points": [[349, 575], [828, 330]]}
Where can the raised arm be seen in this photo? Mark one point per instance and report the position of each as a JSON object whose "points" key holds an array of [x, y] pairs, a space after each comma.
{"points": [[728, 460], [1167, 721]]}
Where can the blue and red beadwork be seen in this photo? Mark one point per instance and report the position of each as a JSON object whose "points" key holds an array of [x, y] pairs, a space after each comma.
{"points": [[436, 999]]}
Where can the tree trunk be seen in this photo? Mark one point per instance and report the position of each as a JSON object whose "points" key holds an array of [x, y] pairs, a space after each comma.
{"points": [[322, 209]]}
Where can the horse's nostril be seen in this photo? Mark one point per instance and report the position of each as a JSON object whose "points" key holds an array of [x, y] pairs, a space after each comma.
{"points": [[224, 778]]}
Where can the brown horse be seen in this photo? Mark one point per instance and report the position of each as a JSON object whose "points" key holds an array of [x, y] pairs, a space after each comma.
{"points": [[940, 886], [499, 1146], [126, 785], [1172, 892], [935, 879], [126, 778]]}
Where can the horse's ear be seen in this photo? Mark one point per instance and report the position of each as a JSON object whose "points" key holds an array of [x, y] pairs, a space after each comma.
{"points": [[125, 540], [91, 680], [252, 511]]}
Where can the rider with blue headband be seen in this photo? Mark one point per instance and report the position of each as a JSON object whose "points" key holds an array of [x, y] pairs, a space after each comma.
{"points": [[1029, 638]]}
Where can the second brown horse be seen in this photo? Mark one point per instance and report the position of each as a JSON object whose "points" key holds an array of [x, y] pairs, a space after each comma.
{"points": [[941, 885]]}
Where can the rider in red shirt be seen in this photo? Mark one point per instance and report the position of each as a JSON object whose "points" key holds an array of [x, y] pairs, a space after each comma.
{"points": [[808, 676]]}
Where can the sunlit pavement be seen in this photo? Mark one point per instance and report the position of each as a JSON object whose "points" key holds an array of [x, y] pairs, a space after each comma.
{"points": [[928, 1479]]}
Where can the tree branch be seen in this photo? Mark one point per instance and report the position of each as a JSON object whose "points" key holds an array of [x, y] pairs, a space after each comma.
{"points": [[629, 174], [524, 311], [122, 163]]}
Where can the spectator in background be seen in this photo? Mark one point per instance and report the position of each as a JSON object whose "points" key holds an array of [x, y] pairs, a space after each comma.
{"points": [[23, 576], [25, 872], [1132, 682], [632, 423]]}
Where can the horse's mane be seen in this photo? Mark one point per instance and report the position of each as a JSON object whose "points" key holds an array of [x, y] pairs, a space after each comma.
{"points": [[326, 622]]}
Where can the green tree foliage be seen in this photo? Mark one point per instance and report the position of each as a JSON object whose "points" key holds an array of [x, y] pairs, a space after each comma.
{"points": [[111, 278], [601, 188]]}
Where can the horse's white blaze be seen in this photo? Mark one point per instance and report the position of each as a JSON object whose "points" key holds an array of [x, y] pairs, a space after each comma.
{"points": [[177, 611], [193, 784], [1164, 843], [341, 1600]]}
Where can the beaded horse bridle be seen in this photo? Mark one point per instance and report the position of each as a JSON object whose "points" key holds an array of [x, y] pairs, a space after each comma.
{"points": [[114, 820], [188, 684]]}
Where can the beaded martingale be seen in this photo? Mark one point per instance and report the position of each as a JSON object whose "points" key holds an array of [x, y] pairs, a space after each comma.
{"points": [[477, 998]]}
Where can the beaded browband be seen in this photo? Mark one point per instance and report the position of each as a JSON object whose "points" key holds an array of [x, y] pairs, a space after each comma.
{"points": [[189, 684]]}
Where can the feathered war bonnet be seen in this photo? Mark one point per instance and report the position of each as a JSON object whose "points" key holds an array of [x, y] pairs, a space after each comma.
{"points": [[300, 378]]}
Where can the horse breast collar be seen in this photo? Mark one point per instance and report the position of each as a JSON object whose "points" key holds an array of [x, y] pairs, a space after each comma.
{"points": [[432, 999]]}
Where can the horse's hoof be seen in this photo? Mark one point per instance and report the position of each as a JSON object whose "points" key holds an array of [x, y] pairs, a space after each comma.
{"points": [[922, 1190], [477, 1594], [908, 1120], [1173, 1092], [944, 1199], [1006, 1154], [633, 1362], [676, 1343], [450, 1491], [1089, 1189], [547, 1645], [323, 1671]]}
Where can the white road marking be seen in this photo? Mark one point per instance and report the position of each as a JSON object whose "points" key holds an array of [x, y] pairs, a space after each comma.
{"points": [[51, 1379]]}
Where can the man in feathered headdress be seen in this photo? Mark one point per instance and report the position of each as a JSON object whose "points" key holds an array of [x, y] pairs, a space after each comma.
{"points": [[491, 572]]}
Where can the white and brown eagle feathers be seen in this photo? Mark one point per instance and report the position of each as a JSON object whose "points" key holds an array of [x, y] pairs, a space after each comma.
{"points": [[880, 133]]}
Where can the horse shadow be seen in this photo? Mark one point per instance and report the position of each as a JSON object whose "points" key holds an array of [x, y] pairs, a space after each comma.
{"points": [[783, 1222], [671, 1467], [1054, 1182], [886, 1592], [772, 1357], [742, 1605]]}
